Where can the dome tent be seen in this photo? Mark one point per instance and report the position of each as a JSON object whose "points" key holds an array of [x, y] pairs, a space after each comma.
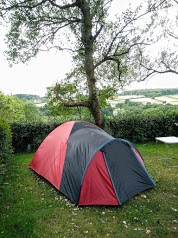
{"points": [[90, 166]]}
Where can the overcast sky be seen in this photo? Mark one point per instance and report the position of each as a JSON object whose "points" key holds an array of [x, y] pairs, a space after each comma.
{"points": [[47, 68]]}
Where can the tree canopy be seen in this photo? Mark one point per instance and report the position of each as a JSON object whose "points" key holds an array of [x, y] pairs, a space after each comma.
{"points": [[108, 51], [17, 111]]}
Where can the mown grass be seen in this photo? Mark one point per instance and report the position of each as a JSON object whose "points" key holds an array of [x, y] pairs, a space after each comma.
{"points": [[31, 207]]}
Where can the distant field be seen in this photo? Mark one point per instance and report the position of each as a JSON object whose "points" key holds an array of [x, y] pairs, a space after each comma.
{"points": [[174, 96], [168, 99], [40, 104], [172, 99], [144, 100]]}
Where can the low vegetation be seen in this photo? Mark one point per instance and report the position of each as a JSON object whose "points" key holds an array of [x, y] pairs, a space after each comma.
{"points": [[33, 208], [138, 129]]}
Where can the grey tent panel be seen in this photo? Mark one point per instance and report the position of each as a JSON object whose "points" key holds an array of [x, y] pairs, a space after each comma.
{"points": [[128, 175], [84, 140]]}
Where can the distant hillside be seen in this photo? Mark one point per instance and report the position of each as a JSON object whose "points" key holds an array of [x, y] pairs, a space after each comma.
{"points": [[151, 92], [32, 98]]}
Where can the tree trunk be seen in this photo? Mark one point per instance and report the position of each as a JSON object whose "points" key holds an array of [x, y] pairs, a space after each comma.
{"points": [[88, 41]]}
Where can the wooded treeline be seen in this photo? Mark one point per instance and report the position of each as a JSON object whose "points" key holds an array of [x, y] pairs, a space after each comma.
{"points": [[151, 92]]}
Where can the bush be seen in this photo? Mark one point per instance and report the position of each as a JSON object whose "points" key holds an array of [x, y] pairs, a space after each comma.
{"points": [[144, 129], [28, 137], [5, 146]]}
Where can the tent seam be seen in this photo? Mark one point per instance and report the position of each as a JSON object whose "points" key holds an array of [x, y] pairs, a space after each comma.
{"points": [[111, 180], [90, 162]]}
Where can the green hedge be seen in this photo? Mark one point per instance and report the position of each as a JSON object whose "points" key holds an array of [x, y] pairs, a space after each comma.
{"points": [[5, 145], [27, 138], [144, 129]]}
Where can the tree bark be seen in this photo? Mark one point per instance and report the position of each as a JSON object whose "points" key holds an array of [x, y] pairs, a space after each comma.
{"points": [[88, 41]]}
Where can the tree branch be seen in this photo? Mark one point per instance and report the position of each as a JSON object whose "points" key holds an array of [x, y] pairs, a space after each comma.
{"points": [[106, 56], [172, 35], [152, 71], [116, 54], [52, 2], [175, 1], [97, 33], [21, 5], [76, 104]]}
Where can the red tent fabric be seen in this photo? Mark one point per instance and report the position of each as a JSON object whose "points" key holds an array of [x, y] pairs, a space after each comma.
{"points": [[97, 187], [49, 158]]}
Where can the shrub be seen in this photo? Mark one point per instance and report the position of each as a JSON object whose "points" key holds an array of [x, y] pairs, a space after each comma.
{"points": [[5, 146], [144, 129], [28, 137]]}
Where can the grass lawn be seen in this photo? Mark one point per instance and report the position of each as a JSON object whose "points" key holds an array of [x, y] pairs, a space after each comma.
{"points": [[31, 207]]}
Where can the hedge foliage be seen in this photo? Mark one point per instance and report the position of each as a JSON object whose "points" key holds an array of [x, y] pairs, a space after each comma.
{"points": [[5, 145], [27, 137], [144, 129]]}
